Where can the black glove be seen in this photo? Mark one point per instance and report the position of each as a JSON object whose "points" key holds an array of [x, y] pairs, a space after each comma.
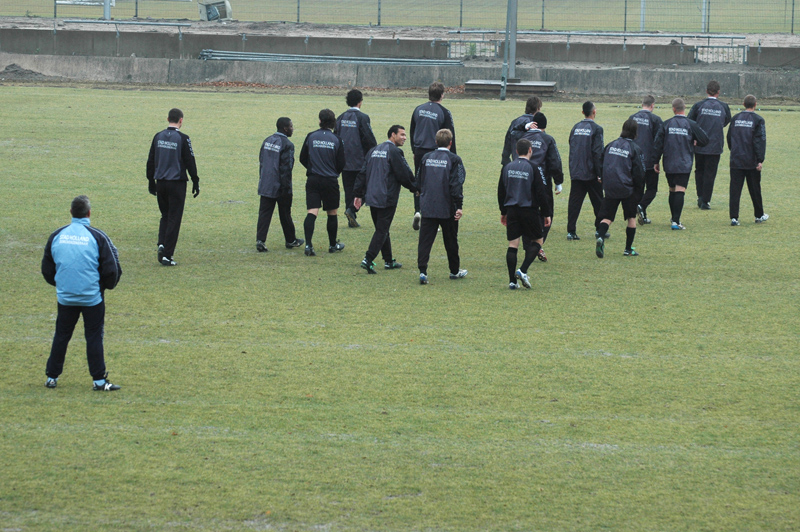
{"points": [[151, 186], [195, 189]]}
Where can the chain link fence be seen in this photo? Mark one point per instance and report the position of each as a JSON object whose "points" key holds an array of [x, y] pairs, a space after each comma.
{"points": [[717, 16]]}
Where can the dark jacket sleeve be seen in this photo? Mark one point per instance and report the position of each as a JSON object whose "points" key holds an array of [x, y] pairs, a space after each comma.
{"points": [[402, 172], [553, 161], [365, 134], [694, 111], [501, 194], [727, 114], [637, 167], [457, 176], [658, 143], [151, 161], [48, 264], [411, 129], [187, 154], [110, 270], [304, 153], [285, 167], [509, 143], [340, 161], [360, 183], [597, 151], [759, 140], [542, 193], [448, 124], [699, 135]]}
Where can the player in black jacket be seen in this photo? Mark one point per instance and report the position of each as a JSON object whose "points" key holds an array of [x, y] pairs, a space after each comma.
{"points": [[276, 161], [585, 168], [712, 115], [354, 128], [426, 120], [623, 181], [676, 141], [441, 184], [747, 141], [648, 125], [517, 129], [323, 156], [523, 196], [171, 157], [378, 185]]}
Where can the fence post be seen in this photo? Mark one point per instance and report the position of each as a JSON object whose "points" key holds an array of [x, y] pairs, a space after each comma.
{"points": [[298, 11], [55, 10], [625, 18], [136, 12], [703, 15], [542, 14], [461, 14], [792, 17], [512, 46], [641, 17], [379, 12]]}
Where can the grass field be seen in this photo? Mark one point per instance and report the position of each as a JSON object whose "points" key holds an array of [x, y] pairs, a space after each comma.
{"points": [[278, 392], [724, 16]]}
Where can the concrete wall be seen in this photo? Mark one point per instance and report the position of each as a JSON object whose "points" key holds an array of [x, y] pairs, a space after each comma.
{"points": [[577, 81]]}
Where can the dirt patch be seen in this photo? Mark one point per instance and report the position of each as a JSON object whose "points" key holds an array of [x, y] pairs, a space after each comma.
{"points": [[14, 72]]}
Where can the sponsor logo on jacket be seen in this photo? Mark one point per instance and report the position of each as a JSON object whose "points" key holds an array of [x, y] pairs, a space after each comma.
{"points": [[678, 131], [618, 152], [518, 174], [710, 112], [323, 144], [167, 145], [348, 123], [428, 114], [743, 123], [582, 132], [272, 147], [438, 163]]}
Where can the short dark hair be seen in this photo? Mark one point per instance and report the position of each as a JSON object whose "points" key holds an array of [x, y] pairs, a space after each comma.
{"points": [[712, 87], [394, 130], [678, 104], [541, 120], [629, 129], [533, 105], [444, 137], [749, 102], [523, 146], [80, 207], [327, 119], [436, 91], [587, 108], [353, 97], [283, 122], [648, 100], [174, 116]]}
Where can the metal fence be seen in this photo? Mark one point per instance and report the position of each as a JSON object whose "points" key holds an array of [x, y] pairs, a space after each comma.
{"points": [[718, 16]]}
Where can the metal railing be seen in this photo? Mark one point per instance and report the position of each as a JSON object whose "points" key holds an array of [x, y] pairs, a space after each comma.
{"points": [[224, 55]]}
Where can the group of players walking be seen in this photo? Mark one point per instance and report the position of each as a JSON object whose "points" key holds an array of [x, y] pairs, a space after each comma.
{"points": [[622, 173]]}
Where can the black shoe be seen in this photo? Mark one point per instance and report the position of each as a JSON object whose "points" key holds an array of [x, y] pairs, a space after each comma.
{"points": [[260, 247], [705, 207], [107, 387], [309, 251], [167, 261], [392, 265], [160, 252], [51, 382], [351, 218], [572, 236], [296, 243], [338, 246], [642, 215], [368, 265], [699, 203]]}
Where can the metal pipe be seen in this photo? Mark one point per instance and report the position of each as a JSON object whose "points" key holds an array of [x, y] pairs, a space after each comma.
{"points": [[625, 18], [461, 14], [298, 11], [55, 8], [542, 14], [127, 23], [610, 34], [703, 17], [512, 45], [379, 12], [792, 17], [136, 12], [641, 15], [106, 9]]}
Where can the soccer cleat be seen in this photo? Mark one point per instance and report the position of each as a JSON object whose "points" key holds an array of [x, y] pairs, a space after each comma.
{"points": [[351, 218], [572, 236], [260, 247], [762, 219], [705, 207], [460, 275], [630, 252], [677, 226], [392, 265], [641, 214], [106, 386], [735, 222], [167, 261], [417, 220], [600, 249], [423, 278], [296, 243], [597, 235], [512, 286], [524, 279], [368, 265], [338, 246], [160, 252], [309, 252], [541, 255], [51, 382]]}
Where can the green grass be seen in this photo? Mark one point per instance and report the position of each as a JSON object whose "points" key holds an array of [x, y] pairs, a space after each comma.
{"points": [[274, 391], [726, 16]]}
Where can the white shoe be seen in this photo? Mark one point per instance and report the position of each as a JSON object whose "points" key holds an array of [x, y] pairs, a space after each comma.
{"points": [[764, 218], [523, 277], [460, 275], [417, 220], [735, 222]]}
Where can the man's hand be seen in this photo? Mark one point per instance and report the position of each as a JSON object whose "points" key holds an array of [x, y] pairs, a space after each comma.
{"points": [[357, 203], [558, 189], [531, 125], [151, 186], [547, 221], [459, 214], [759, 166], [195, 190], [503, 219]]}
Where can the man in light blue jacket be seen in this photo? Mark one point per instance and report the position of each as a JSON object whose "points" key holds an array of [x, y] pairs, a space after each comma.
{"points": [[81, 262]]}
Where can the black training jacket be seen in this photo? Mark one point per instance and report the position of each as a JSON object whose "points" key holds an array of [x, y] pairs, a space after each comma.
{"points": [[323, 154], [585, 151], [712, 116], [354, 128], [523, 185], [276, 160], [441, 184], [675, 142], [747, 140], [515, 132], [623, 169], [385, 170], [649, 123], [171, 157], [426, 120]]}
